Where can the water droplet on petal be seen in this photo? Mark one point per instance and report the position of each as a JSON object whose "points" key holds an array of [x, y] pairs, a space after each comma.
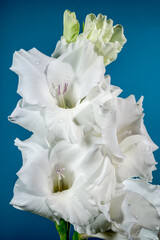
{"points": [[60, 120], [37, 62]]}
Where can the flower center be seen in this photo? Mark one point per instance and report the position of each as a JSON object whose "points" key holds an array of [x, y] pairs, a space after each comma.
{"points": [[61, 96], [62, 179]]}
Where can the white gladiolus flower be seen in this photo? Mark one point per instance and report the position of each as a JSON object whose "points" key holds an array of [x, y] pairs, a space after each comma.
{"points": [[134, 140], [69, 181], [119, 128], [53, 89]]}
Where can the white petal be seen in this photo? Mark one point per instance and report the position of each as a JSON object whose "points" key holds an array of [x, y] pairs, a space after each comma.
{"points": [[61, 47], [148, 191], [35, 171], [144, 132], [128, 117], [146, 234], [139, 161], [24, 200], [110, 236], [100, 224], [34, 182], [30, 66], [106, 118], [105, 182], [30, 117], [85, 117], [131, 212], [59, 73]]}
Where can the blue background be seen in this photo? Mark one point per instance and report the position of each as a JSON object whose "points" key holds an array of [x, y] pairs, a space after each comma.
{"points": [[27, 24]]}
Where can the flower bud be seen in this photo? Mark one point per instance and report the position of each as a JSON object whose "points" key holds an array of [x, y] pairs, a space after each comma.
{"points": [[71, 26], [108, 39]]}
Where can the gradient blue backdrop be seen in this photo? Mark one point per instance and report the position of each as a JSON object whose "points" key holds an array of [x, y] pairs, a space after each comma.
{"points": [[27, 24]]}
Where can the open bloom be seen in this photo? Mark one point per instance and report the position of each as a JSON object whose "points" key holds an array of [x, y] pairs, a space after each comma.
{"points": [[68, 181], [53, 89], [119, 127]]}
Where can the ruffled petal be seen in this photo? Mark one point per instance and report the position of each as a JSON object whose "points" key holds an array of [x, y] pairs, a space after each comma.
{"points": [[25, 200], [110, 236], [139, 160], [146, 234], [34, 183], [100, 224], [31, 66], [31, 118], [131, 212], [128, 117], [147, 190], [35, 171]]}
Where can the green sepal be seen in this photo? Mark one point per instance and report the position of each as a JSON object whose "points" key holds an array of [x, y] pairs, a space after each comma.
{"points": [[77, 236], [63, 229]]}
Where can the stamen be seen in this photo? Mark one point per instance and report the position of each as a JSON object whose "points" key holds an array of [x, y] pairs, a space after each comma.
{"points": [[59, 90], [65, 88]]}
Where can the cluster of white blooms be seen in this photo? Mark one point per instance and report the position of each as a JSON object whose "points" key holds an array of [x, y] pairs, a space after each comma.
{"points": [[89, 159]]}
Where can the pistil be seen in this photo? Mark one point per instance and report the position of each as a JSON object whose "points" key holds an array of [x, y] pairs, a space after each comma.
{"points": [[60, 178]]}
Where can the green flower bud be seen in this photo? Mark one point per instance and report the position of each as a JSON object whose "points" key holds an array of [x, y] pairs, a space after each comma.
{"points": [[71, 26], [108, 39]]}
